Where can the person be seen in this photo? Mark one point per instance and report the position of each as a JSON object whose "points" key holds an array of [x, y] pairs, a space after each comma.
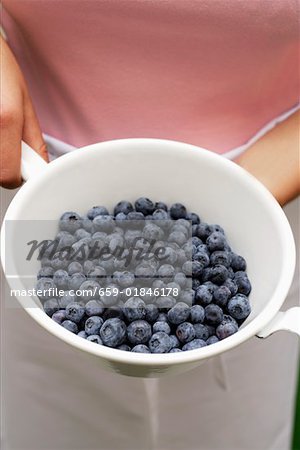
{"points": [[220, 75]]}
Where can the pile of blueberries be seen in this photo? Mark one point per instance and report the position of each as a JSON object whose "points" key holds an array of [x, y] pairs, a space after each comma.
{"points": [[208, 277]]}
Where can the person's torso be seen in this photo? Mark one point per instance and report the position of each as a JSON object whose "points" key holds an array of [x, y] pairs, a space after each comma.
{"points": [[210, 73]]}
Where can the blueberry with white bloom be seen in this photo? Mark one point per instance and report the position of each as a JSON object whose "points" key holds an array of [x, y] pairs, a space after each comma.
{"points": [[139, 332], [239, 307], [70, 221], [195, 343], [97, 211], [124, 207], [160, 343], [70, 326], [93, 325], [113, 332]]}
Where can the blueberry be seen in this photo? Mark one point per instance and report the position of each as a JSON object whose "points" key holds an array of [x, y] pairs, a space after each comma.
{"points": [[94, 338], [242, 282], [212, 340], [70, 326], [97, 273], [65, 240], [232, 286], [151, 313], [67, 298], [113, 332], [166, 271], [187, 268], [89, 290], [97, 211], [185, 332], [218, 274], [82, 334], [221, 295], [197, 314], [195, 283], [81, 233], [202, 231], [76, 280], [213, 314], [217, 228], [75, 312], [124, 347], [45, 272], [196, 241], [237, 262], [180, 278], [70, 221], [123, 207], [94, 308], [187, 296], [226, 329], [51, 306], [195, 343], [161, 326], [197, 269], [152, 232], [105, 224], [220, 257], [61, 279], [179, 313], [175, 350], [178, 211], [139, 332], [174, 341], [59, 316], [135, 216], [194, 218], [203, 295], [160, 343], [93, 325], [160, 214], [239, 307], [161, 205], [165, 302], [162, 317], [45, 288], [202, 257], [178, 237], [87, 225], [201, 331], [75, 267], [120, 218], [216, 241], [144, 205], [140, 348], [134, 309]]}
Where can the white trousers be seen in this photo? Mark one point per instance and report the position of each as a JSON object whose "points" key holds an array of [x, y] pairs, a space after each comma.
{"points": [[57, 398]]}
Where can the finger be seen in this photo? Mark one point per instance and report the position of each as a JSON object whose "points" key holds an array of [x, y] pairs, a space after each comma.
{"points": [[11, 125], [32, 134]]}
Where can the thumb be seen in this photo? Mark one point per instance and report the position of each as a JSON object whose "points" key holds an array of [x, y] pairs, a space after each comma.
{"points": [[32, 134]]}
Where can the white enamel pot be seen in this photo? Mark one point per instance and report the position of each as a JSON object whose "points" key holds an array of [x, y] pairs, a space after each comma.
{"points": [[219, 190]]}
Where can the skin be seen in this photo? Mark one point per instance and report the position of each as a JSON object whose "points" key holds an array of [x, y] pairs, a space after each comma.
{"points": [[273, 160], [18, 120]]}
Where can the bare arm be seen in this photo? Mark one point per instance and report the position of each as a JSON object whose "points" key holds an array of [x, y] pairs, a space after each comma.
{"points": [[274, 160], [18, 120]]}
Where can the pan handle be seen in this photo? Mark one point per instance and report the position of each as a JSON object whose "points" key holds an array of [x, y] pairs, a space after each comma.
{"points": [[31, 162], [283, 321]]}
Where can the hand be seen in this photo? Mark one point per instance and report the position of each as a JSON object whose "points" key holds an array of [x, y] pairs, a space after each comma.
{"points": [[18, 120]]}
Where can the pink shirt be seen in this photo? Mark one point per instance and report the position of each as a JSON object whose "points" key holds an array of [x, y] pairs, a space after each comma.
{"points": [[207, 72]]}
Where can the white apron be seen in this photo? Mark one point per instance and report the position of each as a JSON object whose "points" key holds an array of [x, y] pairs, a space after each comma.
{"points": [[55, 398]]}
